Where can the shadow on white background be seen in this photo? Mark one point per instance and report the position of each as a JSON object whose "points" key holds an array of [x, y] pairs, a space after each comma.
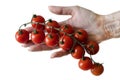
{"points": [[17, 63]]}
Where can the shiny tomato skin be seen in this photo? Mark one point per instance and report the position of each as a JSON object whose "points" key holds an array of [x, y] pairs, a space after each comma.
{"points": [[38, 19], [51, 39], [85, 63], [65, 42], [92, 47], [37, 36], [50, 25], [81, 35], [66, 28], [78, 52], [22, 36], [97, 69]]}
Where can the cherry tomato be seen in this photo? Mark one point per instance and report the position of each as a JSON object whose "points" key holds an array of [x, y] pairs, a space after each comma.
{"points": [[92, 47], [97, 69], [78, 52], [51, 39], [22, 36], [50, 25], [66, 29], [85, 63], [36, 20], [66, 42], [81, 35], [37, 36]]}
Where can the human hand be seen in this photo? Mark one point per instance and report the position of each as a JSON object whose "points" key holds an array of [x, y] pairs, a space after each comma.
{"points": [[83, 18], [80, 18]]}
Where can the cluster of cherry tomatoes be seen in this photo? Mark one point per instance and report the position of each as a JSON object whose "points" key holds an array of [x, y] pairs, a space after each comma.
{"points": [[64, 36]]}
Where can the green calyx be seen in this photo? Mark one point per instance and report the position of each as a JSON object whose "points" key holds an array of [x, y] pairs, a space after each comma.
{"points": [[61, 42], [72, 50], [50, 20], [65, 26], [35, 31], [79, 33], [50, 36], [91, 46], [20, 31], [34, 15], [98, 64]]}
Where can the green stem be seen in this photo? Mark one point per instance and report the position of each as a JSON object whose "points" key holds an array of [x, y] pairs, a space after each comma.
{"points": [[92, 59], [73, 44], [24, 25]]}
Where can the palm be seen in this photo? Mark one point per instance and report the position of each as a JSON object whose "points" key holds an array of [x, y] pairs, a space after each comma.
{"points": [[88, 20]]}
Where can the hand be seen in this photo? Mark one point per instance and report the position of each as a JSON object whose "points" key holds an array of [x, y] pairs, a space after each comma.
{"points": [[80, 18], [83, 18]]}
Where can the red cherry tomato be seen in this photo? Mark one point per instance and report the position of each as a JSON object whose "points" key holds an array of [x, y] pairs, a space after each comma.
{"points": [[66, 29], [50, 25], [78, 52], [92, 47], [81, 35], [38, 19], [22, 36], [37, 36], [66, 42], [97, 69], [51, 39], [85, 63]]}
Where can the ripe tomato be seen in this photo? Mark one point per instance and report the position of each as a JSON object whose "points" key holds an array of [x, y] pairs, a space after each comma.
{"points": [[78, 52], [97, 69], [38, 19], [50, 25], [81, 35], [66, 42], [37, 36], [51, 39], [85, 63], [92, 47], [66, 29], [22, 36]]}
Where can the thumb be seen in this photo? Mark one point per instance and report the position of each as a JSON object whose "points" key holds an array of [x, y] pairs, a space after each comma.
{"points": [[61, 10]]}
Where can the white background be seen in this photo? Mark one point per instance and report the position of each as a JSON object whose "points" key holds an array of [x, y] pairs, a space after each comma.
{"points": [[17, 63]]}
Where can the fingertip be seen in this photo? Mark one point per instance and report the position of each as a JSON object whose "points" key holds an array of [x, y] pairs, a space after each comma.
{"points": [[28, 44], [59, 54], [52, 57], [35, 47], [50, 7], [61, 10], [55, 9], [31, 49]]}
